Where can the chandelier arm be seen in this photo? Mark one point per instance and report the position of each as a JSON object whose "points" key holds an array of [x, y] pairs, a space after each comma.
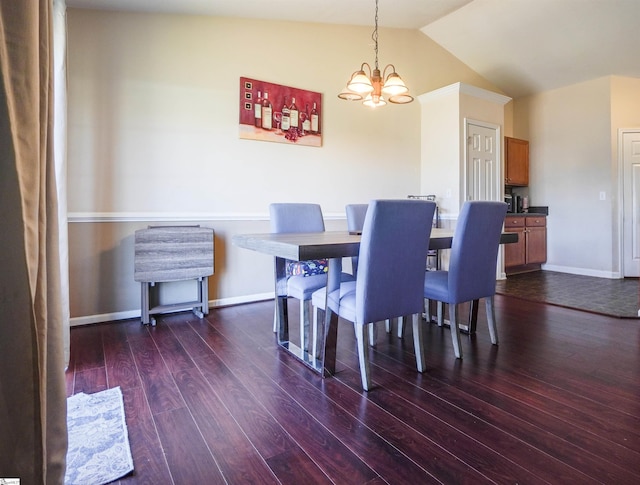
{"points": [[384, 72]]}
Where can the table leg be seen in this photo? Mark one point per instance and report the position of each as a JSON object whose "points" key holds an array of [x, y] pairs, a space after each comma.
{"points": [[470, 327], [204, 291], [330, 321], [282, 316], [473, 316], [326, 364], [144, 298], [202, 308]]}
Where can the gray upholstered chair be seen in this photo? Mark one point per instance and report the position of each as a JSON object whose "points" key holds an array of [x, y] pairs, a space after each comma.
{"points": [[356, 214], [304, 277], [390, 276], [472, 266], [297, 217]]}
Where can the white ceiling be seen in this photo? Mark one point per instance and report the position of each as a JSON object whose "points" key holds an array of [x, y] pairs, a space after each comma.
{"points": [[521, 46]]}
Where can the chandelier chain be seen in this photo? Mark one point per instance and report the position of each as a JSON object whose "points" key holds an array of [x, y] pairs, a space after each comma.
{"points": [[374, 36]]}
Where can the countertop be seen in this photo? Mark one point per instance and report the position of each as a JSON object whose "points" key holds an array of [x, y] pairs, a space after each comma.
{"points": [[537, 210], [526, 214]]}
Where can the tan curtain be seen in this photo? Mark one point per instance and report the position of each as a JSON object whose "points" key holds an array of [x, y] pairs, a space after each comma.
{"points": [[32, 394]]}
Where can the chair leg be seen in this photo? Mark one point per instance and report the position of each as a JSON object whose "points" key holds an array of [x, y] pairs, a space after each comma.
{"points": [[388, 325], [373, 334], [491, 319], [401, 321], [417, 343], [440, 314], [363, 355], [427, 310], [455, 330]]}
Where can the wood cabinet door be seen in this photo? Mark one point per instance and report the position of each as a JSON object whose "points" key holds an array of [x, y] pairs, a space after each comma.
{"points": [[536, 245], [514, 253], [516, 162]]}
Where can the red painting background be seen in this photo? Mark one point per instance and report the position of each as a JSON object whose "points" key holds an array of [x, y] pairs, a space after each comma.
{"points": [[277, 93]]}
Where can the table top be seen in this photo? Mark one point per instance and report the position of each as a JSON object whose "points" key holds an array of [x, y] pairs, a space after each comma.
{"points": [[329, 244]]}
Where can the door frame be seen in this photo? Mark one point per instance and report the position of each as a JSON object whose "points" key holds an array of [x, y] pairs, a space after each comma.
{"points": [[499, 161], [620, 198], [499, 177]]}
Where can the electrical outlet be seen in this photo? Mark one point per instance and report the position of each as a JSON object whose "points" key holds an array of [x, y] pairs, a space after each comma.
{"points": [[603, 195], [447, 194]]}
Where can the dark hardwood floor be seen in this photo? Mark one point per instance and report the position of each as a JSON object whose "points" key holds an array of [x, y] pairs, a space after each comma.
{"points": [[214, 401]]}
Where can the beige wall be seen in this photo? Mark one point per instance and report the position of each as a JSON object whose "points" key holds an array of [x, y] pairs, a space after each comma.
{"points": [[445, 113], [153, 138], [573, 158]]}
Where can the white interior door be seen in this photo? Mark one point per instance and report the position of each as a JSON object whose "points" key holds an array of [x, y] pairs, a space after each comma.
{"points": [[631, 203], [483, 161], [484, 168]]}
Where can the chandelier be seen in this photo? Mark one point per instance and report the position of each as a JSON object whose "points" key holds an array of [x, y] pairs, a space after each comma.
{"points": [[371, 85]]}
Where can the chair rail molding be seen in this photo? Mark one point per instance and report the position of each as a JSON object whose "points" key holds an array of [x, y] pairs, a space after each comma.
{"points": [[94, 217]]}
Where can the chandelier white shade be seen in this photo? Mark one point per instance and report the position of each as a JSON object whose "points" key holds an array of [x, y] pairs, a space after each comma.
{"points": [[370, 85]]}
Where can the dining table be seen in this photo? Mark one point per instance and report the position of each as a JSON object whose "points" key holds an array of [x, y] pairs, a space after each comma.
{"points": [[331, 245]]}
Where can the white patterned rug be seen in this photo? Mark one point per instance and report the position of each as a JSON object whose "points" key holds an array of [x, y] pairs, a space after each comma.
{"points": [[99, 449]]}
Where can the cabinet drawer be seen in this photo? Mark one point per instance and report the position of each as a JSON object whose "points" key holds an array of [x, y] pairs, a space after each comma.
{"points": [[533, 221], [511, 221]]}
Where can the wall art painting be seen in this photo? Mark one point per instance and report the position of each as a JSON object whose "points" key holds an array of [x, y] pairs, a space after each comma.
{"points": [[272, 112]]}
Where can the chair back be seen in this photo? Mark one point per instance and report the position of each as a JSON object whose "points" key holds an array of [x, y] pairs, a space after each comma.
{"points": [[474, 251], [355, 222], [355, 216], [392, 259], [296, 217]]}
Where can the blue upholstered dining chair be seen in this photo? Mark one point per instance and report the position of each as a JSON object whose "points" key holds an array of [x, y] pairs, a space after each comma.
{"points": [[472, 266], [304, 277], [356, 214], [390, 276], [355, 222]]}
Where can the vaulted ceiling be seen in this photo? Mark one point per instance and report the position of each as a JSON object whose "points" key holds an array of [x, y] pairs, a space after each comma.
{"points": [[521, 46]]}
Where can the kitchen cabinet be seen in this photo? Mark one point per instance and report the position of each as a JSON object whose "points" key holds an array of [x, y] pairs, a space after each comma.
{"points": [[516, 162], [530, 251]]}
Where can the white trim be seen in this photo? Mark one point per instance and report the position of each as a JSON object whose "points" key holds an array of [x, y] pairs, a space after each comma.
{"points": [[484, 94], [621, 133], [468, 89], [582, 271], [95, 217], [239, 300], [104, 317], [126, 315]]}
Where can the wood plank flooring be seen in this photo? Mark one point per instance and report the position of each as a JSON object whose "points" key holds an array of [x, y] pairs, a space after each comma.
{"points": [[215, 401]]}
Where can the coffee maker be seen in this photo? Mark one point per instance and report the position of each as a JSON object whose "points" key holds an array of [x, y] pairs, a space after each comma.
{"points": [[512, 202]]}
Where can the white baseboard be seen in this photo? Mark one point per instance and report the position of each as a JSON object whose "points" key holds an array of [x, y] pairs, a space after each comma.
{"points": [[125, 315], [238, 300], [582, 271]]}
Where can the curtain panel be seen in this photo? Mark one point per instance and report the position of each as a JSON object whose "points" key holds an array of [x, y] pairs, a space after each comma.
{"points": [[32, 389]]}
